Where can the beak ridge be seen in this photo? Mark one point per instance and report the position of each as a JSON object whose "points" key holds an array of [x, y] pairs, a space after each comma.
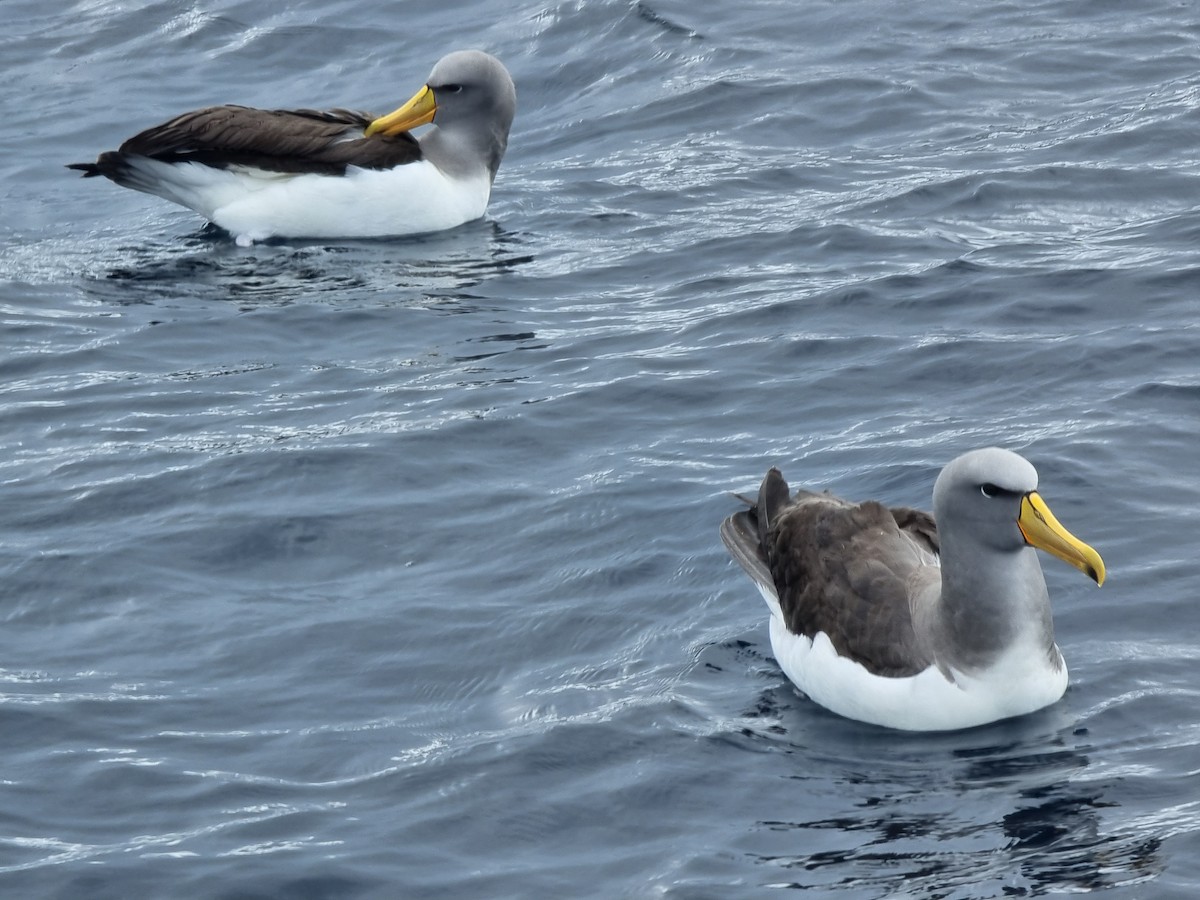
{"points": [[420, 110], [1042, 530]]}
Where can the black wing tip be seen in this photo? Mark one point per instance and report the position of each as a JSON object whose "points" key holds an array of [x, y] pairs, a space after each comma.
{"points": [[742, 498], [739, 533], [773, 496], [110, 164], [89, 170]]}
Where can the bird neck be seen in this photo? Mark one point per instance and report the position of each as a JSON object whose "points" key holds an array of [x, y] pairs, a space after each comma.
{"points": [[461, 152], [992, 604]]}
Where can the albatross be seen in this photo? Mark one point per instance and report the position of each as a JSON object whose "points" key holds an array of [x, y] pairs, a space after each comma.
{"points": [[304, 173], [891, 616]]}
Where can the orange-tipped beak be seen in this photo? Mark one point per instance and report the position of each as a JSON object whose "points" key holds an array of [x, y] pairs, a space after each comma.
{"points": [[420, 110], [1043, 531]]}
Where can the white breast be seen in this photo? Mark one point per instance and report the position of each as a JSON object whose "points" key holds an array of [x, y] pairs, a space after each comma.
{"points": [[1021, 681], [928, 701], [409, 199], [254, 205]]}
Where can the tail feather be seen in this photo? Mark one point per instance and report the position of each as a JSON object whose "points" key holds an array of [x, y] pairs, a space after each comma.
{"points": [[739, 533], [111, 164], [190, 185], [745, 533], [773, 496]]}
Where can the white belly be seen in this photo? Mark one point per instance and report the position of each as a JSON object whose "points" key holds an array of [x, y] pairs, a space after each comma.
{"points": [[1020, 682], [254, 205]]}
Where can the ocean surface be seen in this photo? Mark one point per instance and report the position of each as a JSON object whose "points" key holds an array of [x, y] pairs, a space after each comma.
{"points": [[387, 569]]}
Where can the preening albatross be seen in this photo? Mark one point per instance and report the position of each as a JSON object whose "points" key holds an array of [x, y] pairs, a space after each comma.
{"points": [[261, 173], [911, 621]]}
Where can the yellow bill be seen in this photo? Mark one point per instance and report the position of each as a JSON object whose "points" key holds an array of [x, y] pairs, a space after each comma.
{"points": [[1043, 531], [419, 110]]}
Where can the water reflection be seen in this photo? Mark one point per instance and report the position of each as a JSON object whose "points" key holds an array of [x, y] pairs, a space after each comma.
{"points": [[522, 340], [1006, 809], [1059, 844], [422, 270]]}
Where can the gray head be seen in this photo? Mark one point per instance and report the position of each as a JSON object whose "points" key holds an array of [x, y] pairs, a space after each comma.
{"points": [[476, 101], [989, 497], [471, 100], [980, 493]]}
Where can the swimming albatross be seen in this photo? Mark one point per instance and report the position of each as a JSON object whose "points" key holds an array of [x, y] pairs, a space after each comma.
{"points": [[881, 615], [261, 173]]}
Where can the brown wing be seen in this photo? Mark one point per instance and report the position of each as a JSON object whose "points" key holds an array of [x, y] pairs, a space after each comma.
{"points": [[918, 525], [739, 533], [843, 569], [287, 141]]}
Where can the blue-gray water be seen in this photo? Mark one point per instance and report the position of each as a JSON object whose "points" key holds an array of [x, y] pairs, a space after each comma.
{"points": [[391, 569]]}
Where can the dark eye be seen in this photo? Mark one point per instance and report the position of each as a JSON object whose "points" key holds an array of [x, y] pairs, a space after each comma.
{"points": [[451, 88], [990, 490]]}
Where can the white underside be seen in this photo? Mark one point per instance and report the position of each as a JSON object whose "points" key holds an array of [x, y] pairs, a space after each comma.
{"points": [[1020, 682], [254, 205]]}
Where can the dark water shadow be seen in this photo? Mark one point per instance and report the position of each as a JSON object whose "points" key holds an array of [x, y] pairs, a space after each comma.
{"points": [[424, 270], [1006, 809]]}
